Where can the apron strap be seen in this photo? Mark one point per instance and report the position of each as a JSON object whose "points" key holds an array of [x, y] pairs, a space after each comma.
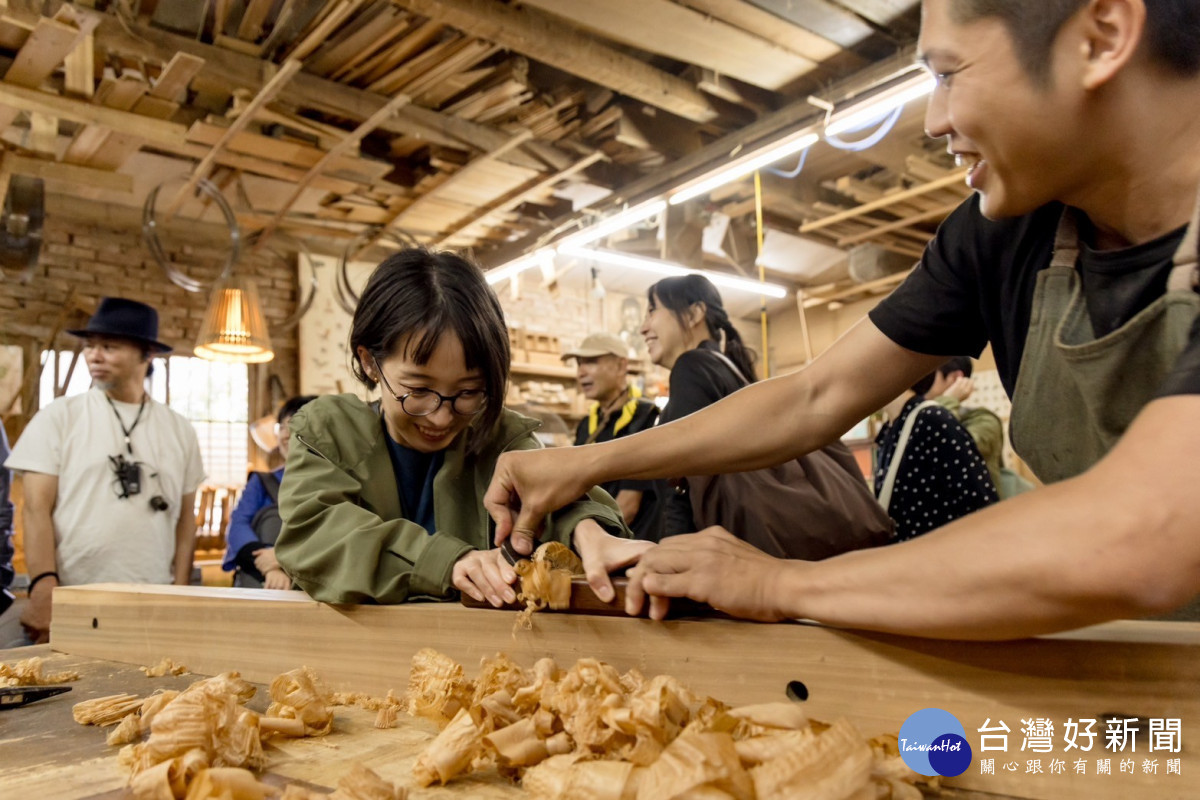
{"points": [[1066, 241], [1183, 275]]}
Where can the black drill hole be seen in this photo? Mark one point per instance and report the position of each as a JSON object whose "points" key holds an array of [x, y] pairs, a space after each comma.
{"points": [[797, 691], [95, 623]]}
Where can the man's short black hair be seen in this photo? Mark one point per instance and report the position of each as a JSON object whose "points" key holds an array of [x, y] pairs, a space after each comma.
{"points": [[1172, 37], [292, 405], [957, 364]]}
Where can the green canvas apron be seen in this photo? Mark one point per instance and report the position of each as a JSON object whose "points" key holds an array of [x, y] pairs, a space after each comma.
{"points": [[1076, 394]]}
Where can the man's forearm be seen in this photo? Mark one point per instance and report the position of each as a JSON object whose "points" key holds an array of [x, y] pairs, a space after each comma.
{"points": [[41, 553], [1062, 557], [185, 548]]}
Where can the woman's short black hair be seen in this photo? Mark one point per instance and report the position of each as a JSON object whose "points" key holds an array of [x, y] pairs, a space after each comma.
{"points": [[1172, 37], [292, 405], [415, 296]]}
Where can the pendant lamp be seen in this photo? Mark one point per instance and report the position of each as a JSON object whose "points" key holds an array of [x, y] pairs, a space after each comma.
{"points": [[234, 328]]}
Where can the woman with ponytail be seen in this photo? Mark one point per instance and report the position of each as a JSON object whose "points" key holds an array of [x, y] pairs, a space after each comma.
{"points": [[811, 508]]}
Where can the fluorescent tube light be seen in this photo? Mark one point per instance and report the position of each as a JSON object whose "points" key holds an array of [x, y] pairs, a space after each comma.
{"points": [[790, 145], [667, 269], [874, 106], [517, 266], [617, 222]]}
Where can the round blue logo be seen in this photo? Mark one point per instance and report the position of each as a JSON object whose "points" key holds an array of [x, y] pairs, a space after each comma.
{"points": [[933, 742]]}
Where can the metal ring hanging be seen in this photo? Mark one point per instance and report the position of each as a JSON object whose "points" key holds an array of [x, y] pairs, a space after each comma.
{"points": [[344, 293], [154, 244], [300, 247]]}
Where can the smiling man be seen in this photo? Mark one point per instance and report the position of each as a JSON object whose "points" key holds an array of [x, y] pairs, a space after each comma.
{"points": [[109, 476], [617, 409], [1076, 259]]}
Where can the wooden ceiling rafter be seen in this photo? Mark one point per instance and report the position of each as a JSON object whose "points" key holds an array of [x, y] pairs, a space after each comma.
{"points": [[265, 95], [564, 47], [518, 196], [453, 180], [350, 141]]}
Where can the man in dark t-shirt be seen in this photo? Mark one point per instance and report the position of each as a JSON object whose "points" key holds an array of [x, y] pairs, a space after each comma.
{"points": [[617, 409], [1079, 125]]}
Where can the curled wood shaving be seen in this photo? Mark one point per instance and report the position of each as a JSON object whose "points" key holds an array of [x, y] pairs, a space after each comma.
{"points": [[451, 753], [228, 783], [545, 580], [106, 710], [363, 784], [299, 696], [127, 732], [164, 668], [30, 672], [437, 688], [591, 733], [206, 723]]}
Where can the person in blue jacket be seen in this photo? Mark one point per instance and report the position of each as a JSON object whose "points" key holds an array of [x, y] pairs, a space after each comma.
{"points": [[254, 524]]}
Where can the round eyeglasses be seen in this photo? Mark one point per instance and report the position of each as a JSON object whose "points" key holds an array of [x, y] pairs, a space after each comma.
{"points": [[423, 402]]}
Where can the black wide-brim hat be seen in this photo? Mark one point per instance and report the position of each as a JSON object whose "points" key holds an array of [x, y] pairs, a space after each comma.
{"points": [[126, 319]]}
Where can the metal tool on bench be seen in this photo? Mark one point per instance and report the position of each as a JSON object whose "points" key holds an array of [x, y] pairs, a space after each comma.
{"points": [[16, 696]]}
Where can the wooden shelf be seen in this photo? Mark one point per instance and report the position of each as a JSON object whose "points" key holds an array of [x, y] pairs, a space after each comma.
{"points": [[545, 371], [542, 371]]}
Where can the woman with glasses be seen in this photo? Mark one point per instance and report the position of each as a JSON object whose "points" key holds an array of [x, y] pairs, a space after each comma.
{"points": [[384, 500]]}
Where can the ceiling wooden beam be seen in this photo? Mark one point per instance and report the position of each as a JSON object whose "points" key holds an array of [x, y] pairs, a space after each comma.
{"points": [[545, 39], [768, 26], [264, 96], [169, 135], [694, 38], [464, 175], [225, 70], [351, 140], [67, 174]]}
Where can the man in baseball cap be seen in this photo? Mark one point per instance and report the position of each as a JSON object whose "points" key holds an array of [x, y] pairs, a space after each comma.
{"points": [[617, 409]]}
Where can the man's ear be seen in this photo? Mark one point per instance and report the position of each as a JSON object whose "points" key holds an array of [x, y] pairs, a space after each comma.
{"points": [[1112, 31]]}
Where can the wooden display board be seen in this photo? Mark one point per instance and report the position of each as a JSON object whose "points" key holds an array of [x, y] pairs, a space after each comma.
{"points": [[1142, 670]]}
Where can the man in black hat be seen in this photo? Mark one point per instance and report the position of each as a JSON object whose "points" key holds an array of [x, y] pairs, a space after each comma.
{"points": [[109, 476]]}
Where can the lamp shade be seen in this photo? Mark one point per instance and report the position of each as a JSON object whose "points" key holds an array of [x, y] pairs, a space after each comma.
{"points": [[234, 328]]}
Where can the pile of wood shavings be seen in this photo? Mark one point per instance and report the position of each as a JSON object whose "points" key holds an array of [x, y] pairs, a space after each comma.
{"points": [[30, 673], [163, 668], [546, 581], [204, 743], [592, 733]]}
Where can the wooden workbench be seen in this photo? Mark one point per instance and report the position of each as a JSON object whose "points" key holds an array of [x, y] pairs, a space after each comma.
{"points": [[46, 755], [1132, 669]]}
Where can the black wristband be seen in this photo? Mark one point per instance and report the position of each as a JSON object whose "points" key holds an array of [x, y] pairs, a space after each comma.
{"points": [[34, 582]]}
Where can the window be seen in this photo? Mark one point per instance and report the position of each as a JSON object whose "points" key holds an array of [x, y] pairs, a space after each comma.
{"points": [[212, 396]]}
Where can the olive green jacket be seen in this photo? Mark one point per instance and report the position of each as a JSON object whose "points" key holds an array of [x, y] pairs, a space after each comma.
{"points": [[345, 538]]}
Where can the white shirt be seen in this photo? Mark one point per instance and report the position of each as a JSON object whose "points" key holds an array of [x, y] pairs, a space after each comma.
{"points": [[100, 537]]}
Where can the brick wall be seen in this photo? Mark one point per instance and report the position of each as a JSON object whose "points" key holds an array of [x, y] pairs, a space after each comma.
{"points": [[104, 257]]}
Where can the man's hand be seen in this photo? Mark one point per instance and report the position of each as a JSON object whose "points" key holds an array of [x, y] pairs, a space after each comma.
{"points": [[602, 553], [276, 579], [35, 619], [484, 574], [961, 389], [713, 567], [264, 560], [528, 485]]}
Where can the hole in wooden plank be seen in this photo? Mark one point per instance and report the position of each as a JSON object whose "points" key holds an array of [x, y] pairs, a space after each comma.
{"points": [[797, 691], [95, 623]]}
